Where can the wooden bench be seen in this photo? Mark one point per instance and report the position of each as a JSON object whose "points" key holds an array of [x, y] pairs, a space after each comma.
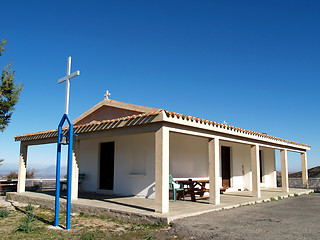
{"points": [[64, 184], [8, 185], [222, 190]]}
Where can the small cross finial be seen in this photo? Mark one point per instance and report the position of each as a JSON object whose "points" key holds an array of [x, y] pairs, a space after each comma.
{"points": [[107, 94], [224, 123]]}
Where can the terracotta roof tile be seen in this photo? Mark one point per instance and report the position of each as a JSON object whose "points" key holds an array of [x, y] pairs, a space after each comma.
{"points": [[84, 128], [229, 127], [142, 119]]}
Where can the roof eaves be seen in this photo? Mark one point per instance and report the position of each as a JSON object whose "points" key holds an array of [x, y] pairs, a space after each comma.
{"points": [[137, 119], [88, 127], [229, 127]]}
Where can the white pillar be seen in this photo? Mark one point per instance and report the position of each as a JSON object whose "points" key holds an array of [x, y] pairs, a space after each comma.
{"points": [[284, 170], [162, 170], [75, 171], [304, 170], [21, 187], [214, 171], [255, 165]]}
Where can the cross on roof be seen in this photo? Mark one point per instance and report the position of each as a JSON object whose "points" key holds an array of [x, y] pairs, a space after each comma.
{"points": [[67, 79], [107, 94]]}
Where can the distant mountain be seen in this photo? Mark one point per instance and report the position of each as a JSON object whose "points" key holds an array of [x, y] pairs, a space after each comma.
{"points": [[50, 172], [312, 173], [5, 172]]}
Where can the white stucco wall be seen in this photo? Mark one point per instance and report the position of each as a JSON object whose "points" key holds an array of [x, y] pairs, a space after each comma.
{"points": [[240, 165], [133, 166], [189, 159], [188, 156], [268, 168], [241, 175], [88, 164]]}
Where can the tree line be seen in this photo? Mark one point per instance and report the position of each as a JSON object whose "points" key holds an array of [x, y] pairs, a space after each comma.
{"points": [[9, 92]]}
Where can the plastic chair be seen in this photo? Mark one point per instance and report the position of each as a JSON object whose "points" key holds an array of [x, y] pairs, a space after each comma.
{"points": [[172, 187]]}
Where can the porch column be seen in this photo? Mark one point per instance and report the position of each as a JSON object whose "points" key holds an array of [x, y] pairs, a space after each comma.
{"points": [[21, 187], [304, 170], [214, 171], [75, 171], [162, 170], [284, 170], [255, 165]]}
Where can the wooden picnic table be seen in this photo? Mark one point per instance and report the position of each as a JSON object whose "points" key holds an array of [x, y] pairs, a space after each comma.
{"points": [[196, 187]]}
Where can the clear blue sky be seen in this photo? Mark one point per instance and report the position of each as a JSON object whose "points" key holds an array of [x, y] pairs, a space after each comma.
{"points": [[253, 64]]}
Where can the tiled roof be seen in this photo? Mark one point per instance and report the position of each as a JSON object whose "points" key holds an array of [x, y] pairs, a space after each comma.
{"points": [[229, 127], [91, 127], [143, 119]]}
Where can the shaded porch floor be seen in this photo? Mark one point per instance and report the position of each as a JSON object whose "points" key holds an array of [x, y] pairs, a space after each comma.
{"points": [[141, 210]]}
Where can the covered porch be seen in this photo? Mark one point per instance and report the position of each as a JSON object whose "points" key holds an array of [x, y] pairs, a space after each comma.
{"points": [[148, 137], [253, 143]]}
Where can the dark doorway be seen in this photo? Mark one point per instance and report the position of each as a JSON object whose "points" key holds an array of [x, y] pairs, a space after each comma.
{"points": [[106, 165], [260, 162], [225, 165]]}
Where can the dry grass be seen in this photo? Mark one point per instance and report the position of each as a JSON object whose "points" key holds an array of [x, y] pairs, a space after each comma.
{"points": [[82, 227]]}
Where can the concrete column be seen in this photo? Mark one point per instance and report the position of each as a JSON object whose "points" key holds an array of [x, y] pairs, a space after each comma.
{"points": [[22, 168], [284, 170], [162, 170], [255, 165], [214, 171], [304, 170], [75, 171]]}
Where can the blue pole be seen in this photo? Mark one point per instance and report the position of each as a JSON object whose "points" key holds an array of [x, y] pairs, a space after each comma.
{"points": [[56, 213], [69, 172]]}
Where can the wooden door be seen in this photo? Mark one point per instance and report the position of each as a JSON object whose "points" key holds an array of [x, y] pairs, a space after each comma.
{"points": [[106, 165], [225, 165]]}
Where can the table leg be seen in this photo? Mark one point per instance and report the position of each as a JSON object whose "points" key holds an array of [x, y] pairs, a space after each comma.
{"points": [[193, 195], [202, 185], [179, 195]]}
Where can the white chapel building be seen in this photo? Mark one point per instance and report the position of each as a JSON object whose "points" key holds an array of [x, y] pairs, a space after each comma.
{"points": [[130, 150]]}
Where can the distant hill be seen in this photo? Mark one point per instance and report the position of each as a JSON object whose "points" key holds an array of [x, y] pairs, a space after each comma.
{"points": [[312, 173], [50, 172]]}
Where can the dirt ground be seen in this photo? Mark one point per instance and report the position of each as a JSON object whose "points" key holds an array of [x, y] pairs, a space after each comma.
{"points": [[291, 218], [16, 226]]}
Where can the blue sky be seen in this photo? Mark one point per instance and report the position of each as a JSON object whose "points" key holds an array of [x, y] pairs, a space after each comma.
{"points": [[253, 64]]}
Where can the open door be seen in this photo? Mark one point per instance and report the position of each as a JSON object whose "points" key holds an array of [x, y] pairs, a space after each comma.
{"points": [[106, 165], [261, 162], [225, 165]]}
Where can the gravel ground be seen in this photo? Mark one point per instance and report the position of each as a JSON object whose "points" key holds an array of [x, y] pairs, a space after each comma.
{"points": [[291, 218]]}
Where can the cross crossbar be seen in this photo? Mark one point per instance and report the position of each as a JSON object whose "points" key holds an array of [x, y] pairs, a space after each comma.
{"points": [[72, 75], [67, 80]]}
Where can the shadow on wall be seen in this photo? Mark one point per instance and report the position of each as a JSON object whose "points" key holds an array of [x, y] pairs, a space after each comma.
{"points": [[151, 191]]}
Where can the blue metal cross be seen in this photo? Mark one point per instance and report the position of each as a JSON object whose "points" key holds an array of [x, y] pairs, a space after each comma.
{"points": [[70, 138]]}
